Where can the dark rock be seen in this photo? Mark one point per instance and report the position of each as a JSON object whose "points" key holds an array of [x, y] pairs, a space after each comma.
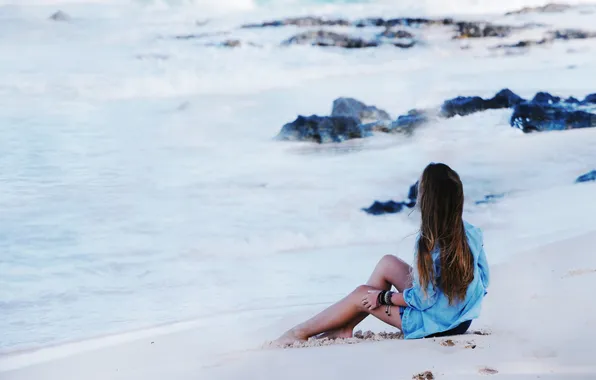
{"points": [[590, 176], [413, 193], [570, 34], [380, 208], [548, 8], [412, 119], [465, 105], [490, 198], [301, 22], [399, 38], [410, 204], [407, 21], [384, 126], [462, 106], [522, 44], [326, 38], [572, 100], [504, 99], [399, 33], [404, 45], [60, 16], [370, 22], [392, 207], [565, 34], [545, 98], [590, 99], [481, 30], [194, 36], [191, 36], [322, 129], [531, 117], [350, 107], [404, 123], [231, 43]]}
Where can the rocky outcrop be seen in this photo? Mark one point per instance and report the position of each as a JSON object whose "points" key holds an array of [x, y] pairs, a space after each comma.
{"points": [[307, 21], [350, 107], [490, 198], [395, 33], [590, 176], [326, 38], [546, 112], [548, 8], [322, 129], [570, 34], [465, 105], [550, 37], [481, 30], [351, 118], [522, 44], [60, 16], [392, 207], [404, 21]]}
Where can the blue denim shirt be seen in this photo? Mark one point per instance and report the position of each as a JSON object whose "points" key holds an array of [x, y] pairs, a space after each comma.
{"points": [[431, 313]]}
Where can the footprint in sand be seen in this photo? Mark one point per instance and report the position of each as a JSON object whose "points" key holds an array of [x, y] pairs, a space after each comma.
{"points": [[487, 371], [579, 272], [426, 375], [451, 343], [481, 332], [447, 343]]}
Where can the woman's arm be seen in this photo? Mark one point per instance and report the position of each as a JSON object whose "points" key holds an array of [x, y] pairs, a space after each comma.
{"points": [[398, 299], [484, 269]]}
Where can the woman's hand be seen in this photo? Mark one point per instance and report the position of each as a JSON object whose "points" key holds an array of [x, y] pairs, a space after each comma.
{"points": [[370, 300]]}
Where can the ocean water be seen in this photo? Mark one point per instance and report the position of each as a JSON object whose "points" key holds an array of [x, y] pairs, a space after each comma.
{"points": [[140, 183]]}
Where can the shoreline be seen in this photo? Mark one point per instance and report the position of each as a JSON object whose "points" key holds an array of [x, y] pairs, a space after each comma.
{"points": [[549, 274]]}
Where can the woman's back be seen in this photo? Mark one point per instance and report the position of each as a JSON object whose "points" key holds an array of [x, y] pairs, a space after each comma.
{"points": [[432, 312]]}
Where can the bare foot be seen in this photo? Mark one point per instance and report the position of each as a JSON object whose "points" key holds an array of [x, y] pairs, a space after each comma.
{"points": [[337, 334], [288, 339]]}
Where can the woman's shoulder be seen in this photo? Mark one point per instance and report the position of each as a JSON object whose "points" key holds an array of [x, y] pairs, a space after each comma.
{"points": [[470, 227], [474, 234]]}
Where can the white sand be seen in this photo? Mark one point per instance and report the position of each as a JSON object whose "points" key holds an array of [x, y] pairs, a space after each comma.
{"points": [[540, 312]]}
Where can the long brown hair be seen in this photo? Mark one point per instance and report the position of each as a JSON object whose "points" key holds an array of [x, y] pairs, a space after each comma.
{"points": [[441, 202]]}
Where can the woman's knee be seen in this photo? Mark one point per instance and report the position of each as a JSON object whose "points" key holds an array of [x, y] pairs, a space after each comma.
{"points": [[362, 289], [358, 294], [388, 259]]}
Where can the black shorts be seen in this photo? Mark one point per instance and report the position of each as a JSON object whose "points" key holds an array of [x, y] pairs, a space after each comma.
{"points": [[457, 330]]}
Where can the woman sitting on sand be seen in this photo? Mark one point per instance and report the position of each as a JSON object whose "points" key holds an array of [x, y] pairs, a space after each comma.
{"points": [[440, 297]]}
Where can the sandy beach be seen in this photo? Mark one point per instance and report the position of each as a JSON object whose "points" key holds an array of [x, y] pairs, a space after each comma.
{"points": [[537, 324]]}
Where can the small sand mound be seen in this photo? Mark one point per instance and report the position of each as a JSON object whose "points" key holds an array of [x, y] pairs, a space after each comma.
{"points": [[481, 332], [448, 343], [426, 375], [359, 337], [488, 371], [579, 272]]}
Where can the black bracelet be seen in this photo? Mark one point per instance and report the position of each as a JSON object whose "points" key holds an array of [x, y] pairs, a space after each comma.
{"points": [[388, 296], [381, 297]]}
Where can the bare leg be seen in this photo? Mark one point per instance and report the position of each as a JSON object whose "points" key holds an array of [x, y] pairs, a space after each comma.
{"points": [[389, 271], [338, 315], [341, 318]]}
